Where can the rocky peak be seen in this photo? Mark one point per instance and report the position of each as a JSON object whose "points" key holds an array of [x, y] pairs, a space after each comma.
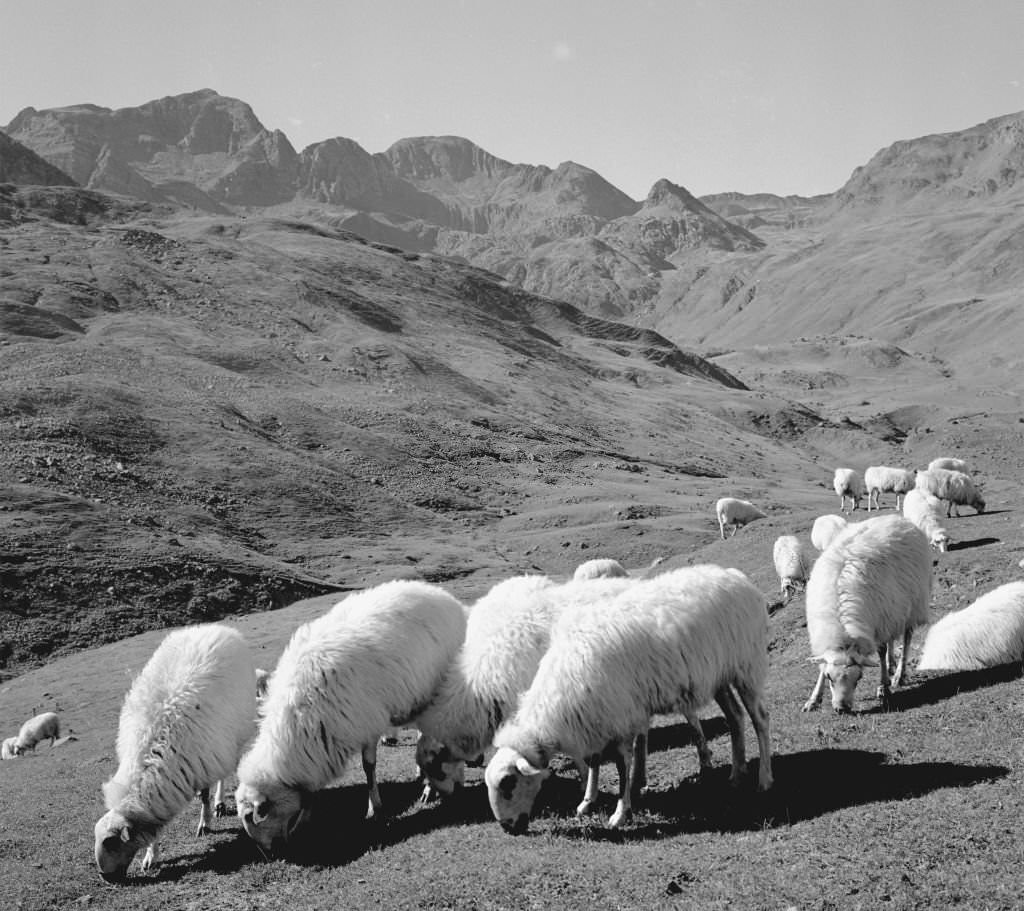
{"points": [[426, 158]]}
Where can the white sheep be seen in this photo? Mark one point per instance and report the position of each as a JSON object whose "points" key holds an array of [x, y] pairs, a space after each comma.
{"points": [[924, 511], [955, 487], [676, 641], [7, 748], [825, 528], [184, 723], [987, 633], [736, 513], [792, 562], [879, 479], [600, 568], [848, 483], [871, 585], [375, 660], [949, 464], [36, 730], [507, 634]]}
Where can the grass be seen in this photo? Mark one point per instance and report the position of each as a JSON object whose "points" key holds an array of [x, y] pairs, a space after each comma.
{"points": [[917, 807]]}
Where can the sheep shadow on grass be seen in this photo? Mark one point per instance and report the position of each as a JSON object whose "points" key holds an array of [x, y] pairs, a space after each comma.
{"points": [[805, 788], [976, 542], [938, 686]]}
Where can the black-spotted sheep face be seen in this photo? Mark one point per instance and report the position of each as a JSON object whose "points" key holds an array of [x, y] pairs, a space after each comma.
{"points": [[512, 788], [117, 843], [441, 768]]}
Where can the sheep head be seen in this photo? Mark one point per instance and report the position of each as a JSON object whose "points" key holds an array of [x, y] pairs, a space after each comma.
{"points": [[270, 814], [512, 787], [843, 669], [118, 840], [439, 765]]}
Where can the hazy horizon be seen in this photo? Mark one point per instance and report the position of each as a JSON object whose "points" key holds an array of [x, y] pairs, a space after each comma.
{"points": [[771, 97]]}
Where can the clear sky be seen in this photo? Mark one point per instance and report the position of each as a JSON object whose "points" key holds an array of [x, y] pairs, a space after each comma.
{"points": [[780, 96]]}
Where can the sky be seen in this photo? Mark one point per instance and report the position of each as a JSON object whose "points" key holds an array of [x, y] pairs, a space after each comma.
{"points": [[776, 96]]}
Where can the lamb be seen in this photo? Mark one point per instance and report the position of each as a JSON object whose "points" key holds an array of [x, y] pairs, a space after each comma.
{"points": [[601, 568], [184, 723], [507, 634], [879, 479], [949, 464], [375, 660], [825, 528], [848, 483], [34, 731], [923, 510], [676, 641], [987, 633], [7, 748], [792, 563], [736, 513], [955, 487], [872, 584]]}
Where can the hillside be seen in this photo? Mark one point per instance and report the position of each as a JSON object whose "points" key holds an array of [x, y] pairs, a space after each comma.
{"points": [[210, 414]]}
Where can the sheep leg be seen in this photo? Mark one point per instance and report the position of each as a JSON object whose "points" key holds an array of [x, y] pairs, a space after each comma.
{"points": [[623, 761], [884, 688], [703, 750], [639, 782], [731, 709], [819, 690], [219, 807], [751, 698], [205, 813], [721, 528], [149, 859], [901, 668], [591, 791], [370, 770]]}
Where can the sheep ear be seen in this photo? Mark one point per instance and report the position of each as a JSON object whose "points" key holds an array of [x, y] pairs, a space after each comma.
{"points": [[126, 834], [524, 768]]}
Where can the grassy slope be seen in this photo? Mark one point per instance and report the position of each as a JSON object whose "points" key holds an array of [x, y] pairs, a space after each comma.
{"points": [[914, 808]]}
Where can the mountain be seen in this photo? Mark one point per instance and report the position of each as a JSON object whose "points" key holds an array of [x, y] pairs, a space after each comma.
{"points": [[20, 165]]}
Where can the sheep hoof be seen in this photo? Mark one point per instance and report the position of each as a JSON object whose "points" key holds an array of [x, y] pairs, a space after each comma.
{"points": [[620, 818], [809, 706], [586, 807], [220, 810], [203, 829], [430, 794]]}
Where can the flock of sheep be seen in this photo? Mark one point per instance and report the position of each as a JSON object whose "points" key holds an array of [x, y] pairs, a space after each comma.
{"points": [[533, 668]]}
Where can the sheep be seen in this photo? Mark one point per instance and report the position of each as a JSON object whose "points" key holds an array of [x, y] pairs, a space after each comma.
{"points": [[601, 568], [871, 584], [824, 529], [34, 731], [792, 563], [184, 723], [955, 487], [987, 633], [848, 483], [923, 510], [375, 660], [949, 464], [879, 479], [507, 633], [736, 513], [7, 748], [676, 641]]}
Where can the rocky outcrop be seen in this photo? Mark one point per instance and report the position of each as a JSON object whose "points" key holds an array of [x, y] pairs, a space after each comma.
{"points": [[20, 165]]}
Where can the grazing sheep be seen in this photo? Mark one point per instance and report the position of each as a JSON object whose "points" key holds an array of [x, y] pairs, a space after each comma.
{"points": [[987, 633], [825, 528], [848, 483], [792, 562], [736, 513], [601, 568], [676, 641], [36, 730], [924, 511], [7, 748], [949, 464], [871, 585], [375, 660], [507, 634], [184, 723], [955, 487], [879, 479]]}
